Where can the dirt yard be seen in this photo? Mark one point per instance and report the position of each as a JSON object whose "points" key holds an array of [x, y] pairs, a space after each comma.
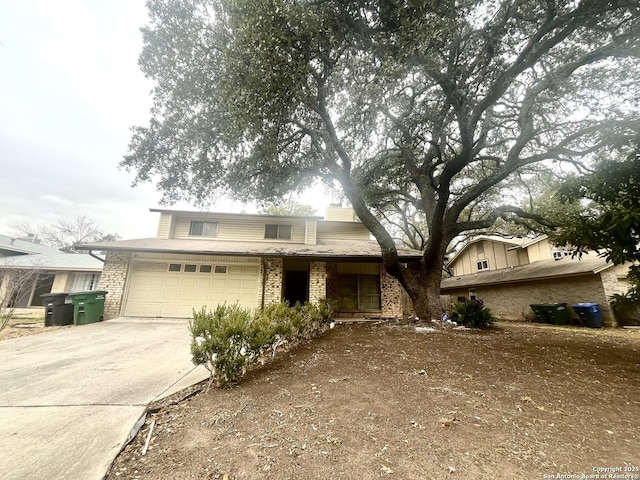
{"points": [[25, 324], [384, 401]]}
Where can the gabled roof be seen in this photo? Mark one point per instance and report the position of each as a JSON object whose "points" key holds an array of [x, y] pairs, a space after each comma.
{"points": [[515, 242], [325, 249], [21, 246], [589, 264], [53, 261], [532, 241]]}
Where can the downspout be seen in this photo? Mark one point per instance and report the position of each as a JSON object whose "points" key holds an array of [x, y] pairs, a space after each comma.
{"points": [[264, 281], [95, 256]]}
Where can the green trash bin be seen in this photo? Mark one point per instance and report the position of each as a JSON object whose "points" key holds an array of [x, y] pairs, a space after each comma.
{"points": [[88, 307], [558, 313], [541, 313]]}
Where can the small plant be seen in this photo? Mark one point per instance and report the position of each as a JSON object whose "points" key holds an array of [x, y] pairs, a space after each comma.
{"points": [[627, 306], [230, 338], [471, 313]]}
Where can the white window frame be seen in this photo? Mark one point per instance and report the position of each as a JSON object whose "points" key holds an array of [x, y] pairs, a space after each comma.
{"points": [[482, 264], [205, 229], [472, 294], [182, 268], [560, 254], [83, 282]]}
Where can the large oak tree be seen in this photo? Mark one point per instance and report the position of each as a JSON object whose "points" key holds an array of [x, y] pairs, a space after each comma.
{"points": [[431, 114]]}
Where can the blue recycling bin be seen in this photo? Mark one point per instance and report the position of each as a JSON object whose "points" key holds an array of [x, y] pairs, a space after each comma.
{"points": [[589, 313]]}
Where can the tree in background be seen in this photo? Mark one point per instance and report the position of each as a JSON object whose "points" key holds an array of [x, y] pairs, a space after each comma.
{"points": [[13, 284], [606, 203], [289, 207], [66, 234], [430, 116]]}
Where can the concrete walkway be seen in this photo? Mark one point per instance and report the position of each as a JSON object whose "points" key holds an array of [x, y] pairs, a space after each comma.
{"points": [[69, 398]]}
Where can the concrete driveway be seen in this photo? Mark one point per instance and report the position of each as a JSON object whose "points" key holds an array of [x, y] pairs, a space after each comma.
{"points": [[69, 398]]}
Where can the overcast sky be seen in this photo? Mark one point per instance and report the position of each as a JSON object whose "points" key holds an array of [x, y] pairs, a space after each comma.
{"points": [[70, 89]]}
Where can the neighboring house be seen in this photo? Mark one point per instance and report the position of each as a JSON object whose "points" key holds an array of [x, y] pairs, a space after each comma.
{"points": [[29, 270], [203, 258], [11, 247], [509, 274]]}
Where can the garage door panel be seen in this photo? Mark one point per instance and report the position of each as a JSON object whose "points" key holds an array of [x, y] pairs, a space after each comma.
{"points": [[154, 291], [200, 297], [172, 280], [204, 283], [168, 295], [185, 297], [248, 299], [249, 284], [153, 281], [187, 282]]}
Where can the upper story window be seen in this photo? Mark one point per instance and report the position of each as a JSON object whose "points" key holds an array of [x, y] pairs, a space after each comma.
{"points": [[483, 265], [559, 254], [203, 229], [280, 232]]}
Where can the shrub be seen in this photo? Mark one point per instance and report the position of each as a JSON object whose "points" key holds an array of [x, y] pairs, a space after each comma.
{"points": [[471, 313], [627, 306], [229, 338]]}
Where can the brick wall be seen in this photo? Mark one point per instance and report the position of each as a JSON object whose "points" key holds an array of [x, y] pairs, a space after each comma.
{"points": [[332, 281], [113, 279], [273, 273], [392, 301], [317, 281], [511, 301]]}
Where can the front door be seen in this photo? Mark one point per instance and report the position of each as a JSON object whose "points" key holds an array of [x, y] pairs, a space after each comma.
{"points": [[296, 286]]}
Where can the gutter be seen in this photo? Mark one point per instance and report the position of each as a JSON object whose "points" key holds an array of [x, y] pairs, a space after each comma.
{"points": [[91, 254]]}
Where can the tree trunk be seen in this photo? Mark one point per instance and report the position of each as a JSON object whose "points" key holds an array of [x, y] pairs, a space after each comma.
{"points": [[424, 290], [422, 284]]}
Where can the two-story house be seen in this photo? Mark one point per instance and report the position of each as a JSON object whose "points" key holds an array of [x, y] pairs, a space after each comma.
{"points": [[509, 274], [205, 258]]}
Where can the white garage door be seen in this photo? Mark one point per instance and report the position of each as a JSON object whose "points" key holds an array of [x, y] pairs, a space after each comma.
{"points": [[176, 289]]}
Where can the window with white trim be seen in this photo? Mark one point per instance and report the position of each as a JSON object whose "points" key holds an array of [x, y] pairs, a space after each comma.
{"points": [[483, 265], [560, 254], [472, 294], [83, 282], [203, 229], [196, 268], [279, 232]]}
